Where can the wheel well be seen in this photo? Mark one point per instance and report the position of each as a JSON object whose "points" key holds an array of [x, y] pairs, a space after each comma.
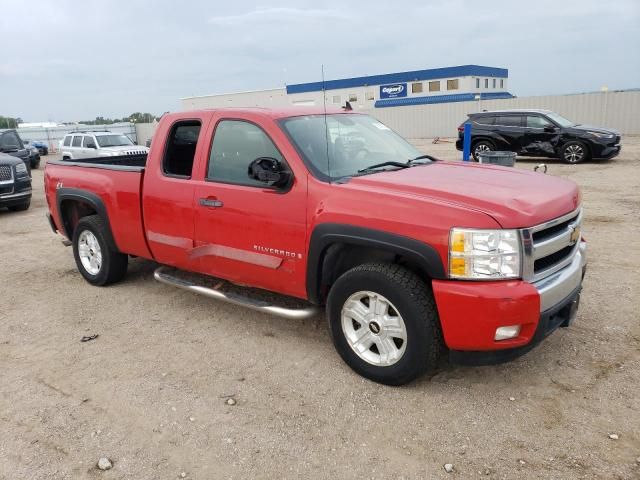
{"points": [[338, 258], [71, 211], [482, 139]]}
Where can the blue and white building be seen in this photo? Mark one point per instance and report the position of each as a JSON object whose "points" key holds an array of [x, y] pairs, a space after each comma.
{"points": [[419, 87]]}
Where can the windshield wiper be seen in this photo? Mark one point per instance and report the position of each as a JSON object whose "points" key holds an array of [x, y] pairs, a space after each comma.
{"points": [[421, 157], [383, 164]]}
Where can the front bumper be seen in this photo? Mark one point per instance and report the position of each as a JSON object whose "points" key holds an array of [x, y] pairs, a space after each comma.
{"points": [[14, 199], [470, 312], [608, 153]]}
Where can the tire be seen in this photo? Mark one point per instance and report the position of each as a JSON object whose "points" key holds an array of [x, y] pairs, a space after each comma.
{"points": [[406, 297], [22, 207], [479, 146], [101, 265], [574, 152], [35, 165]]}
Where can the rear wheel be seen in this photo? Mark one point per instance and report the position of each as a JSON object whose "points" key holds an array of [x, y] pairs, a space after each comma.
{"points": [[384, 323], [98, 264], [574, 152], [481, 147]]}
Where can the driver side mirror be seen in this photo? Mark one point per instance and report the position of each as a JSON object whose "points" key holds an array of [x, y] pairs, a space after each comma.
{"points": [[91, 145], [269, 171], [550, 129]]}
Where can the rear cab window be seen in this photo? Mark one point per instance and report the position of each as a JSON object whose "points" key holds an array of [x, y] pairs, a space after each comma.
{"points": [[67, 141], [77, 140], [180, 150]]}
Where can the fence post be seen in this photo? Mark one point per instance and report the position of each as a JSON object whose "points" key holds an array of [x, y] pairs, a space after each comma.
{"points": [[466, 145]]}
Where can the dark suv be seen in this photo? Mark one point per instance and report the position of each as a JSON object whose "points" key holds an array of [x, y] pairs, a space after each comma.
{"points": [[11, 143], [539, 133], [15, 183]]}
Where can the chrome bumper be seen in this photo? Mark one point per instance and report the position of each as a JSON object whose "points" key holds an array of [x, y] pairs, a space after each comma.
{"points": [[559, 285], [12, 196]]}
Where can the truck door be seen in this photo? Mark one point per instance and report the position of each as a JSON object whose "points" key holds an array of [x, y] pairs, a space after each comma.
{"points": [[168, 192], [247, 232]]}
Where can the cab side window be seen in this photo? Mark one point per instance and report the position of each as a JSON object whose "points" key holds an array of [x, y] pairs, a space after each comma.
{"points": [[88, 142], [235, 145], [538, 122], [180, 151], [67, 141], [77, 140]]}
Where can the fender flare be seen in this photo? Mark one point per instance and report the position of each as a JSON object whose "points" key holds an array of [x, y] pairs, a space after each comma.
{"points": [[75, 194], [327, 234]]}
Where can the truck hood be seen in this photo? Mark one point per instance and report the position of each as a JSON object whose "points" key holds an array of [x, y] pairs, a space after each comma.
{"points": [[515, 198]]}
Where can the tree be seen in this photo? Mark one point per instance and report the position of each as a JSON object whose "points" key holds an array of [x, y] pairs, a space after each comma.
{"points": [[9, 122]]}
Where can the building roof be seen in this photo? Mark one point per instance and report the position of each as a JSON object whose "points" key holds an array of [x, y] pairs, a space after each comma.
{"points": [[400, 77], [451, 98]]}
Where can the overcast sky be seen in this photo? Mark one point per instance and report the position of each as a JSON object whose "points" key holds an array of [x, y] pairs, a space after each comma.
{"points": [[72, 60]]}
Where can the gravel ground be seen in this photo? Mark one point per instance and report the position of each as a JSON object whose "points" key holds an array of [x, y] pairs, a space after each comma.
{"points": [[151, 391]]}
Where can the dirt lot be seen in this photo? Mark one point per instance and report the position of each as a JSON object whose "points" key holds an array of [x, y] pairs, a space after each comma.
{"points": [[150, 391]]}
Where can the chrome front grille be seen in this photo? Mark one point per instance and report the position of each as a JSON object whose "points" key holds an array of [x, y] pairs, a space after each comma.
{"points": [[551, 246], [6, 174]]}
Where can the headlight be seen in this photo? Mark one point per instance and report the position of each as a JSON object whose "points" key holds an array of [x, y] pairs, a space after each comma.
{"points": [[484, 254], [601, 134], [21, 168]]}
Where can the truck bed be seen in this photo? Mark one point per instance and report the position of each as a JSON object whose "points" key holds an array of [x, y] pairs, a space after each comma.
{"points": [[120, 162], [116, 182]]}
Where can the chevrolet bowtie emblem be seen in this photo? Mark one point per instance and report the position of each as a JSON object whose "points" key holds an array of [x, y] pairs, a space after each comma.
{"points": [[575, 234]]}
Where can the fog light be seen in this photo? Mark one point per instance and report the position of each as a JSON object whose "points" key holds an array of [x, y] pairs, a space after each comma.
{"points": [[503, 333]]}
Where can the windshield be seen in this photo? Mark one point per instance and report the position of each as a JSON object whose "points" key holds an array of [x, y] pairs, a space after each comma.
{"points": [[354, 143], [113, 140], [560, 120]]}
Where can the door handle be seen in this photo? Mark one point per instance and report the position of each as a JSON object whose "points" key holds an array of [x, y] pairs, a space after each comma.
{"points": [[210, 202]]}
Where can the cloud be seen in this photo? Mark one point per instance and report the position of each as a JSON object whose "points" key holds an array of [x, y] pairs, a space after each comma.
{"points": [[69, 60], [268, 15]]}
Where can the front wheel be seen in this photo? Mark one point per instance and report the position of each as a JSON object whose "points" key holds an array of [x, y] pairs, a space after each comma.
{"points": [[384, 323], [98, 264], [574, 152]]}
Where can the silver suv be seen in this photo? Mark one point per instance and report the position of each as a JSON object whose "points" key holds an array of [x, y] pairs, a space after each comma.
{"points": [[98, 144]]}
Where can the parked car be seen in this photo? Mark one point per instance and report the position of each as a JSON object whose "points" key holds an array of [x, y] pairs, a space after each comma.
{"points": [[15, 183], [539, 133], [408, 254], [34, 156], [11, 144], [78, 145], [42, 147]]}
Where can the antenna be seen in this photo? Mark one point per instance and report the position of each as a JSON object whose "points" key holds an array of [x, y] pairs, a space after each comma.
{"points": [[326, 126]]}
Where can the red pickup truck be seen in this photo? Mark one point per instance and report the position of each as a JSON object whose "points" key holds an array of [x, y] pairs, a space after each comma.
{"points": [[412, 257]]}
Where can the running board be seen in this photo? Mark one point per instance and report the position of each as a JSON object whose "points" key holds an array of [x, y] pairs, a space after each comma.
{"points": [[162, 276]]}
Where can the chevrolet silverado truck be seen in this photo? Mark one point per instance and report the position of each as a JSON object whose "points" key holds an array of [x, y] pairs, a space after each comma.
{"points": [[410, 257]]}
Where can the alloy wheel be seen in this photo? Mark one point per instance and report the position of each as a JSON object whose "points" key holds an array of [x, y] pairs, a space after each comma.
{"points": [[373, 328]]}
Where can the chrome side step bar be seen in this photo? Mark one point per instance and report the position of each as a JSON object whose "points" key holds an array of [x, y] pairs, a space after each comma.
{"points": [[162, 276]]}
